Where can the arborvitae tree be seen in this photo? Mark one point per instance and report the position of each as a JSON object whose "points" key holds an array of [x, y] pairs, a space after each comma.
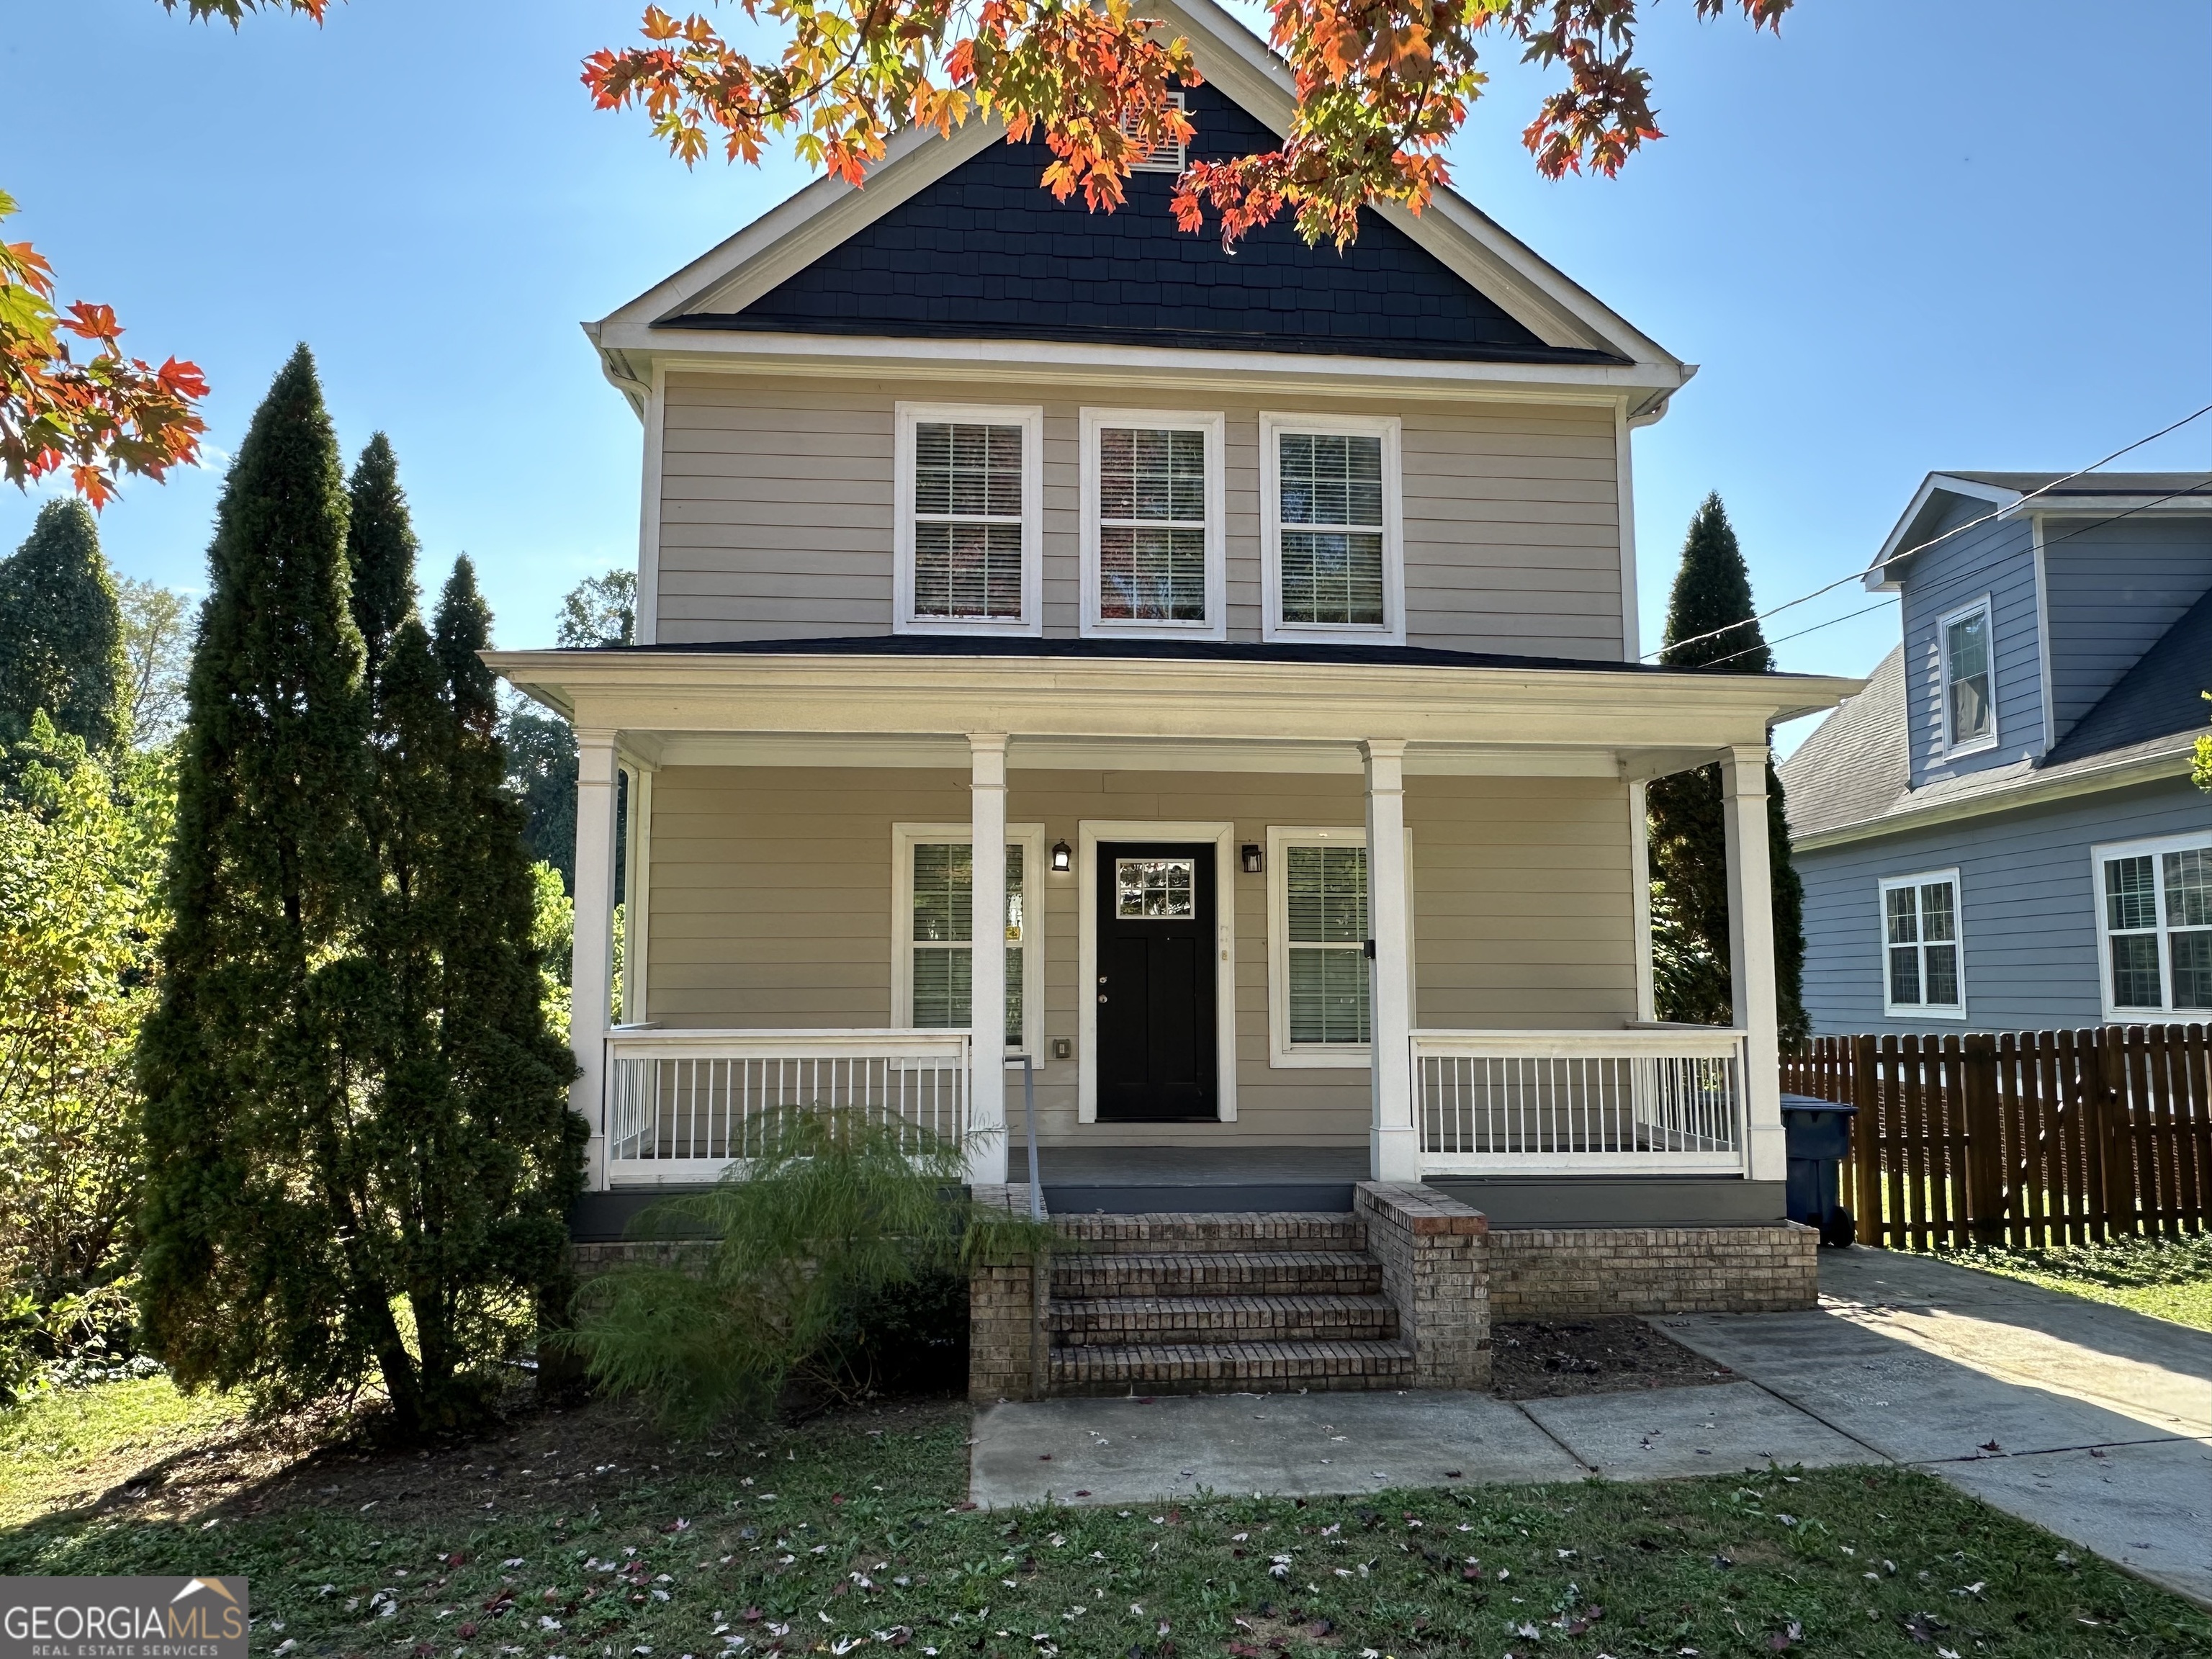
{"points": [[1689, 837], [61, 633], [256, 1186], [474, 1155], [380, 550]]}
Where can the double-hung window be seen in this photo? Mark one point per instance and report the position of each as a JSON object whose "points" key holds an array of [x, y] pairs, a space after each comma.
{"points": [[1319, 972], [2154, 900], [1970, 717], [969, 531], [1152, 524], [1331, 561], [1923, 974], [932, 967]]}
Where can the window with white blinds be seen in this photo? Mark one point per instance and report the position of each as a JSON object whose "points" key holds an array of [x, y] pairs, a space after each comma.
{"points": [[1319, 972], [968, 530], [936, 945], [1151, 527], [1332, 557], [2155, 926]]}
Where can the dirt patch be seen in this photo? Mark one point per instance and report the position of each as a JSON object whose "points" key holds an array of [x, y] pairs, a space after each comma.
{"points": [[1552, 1359], [542, 1461]]}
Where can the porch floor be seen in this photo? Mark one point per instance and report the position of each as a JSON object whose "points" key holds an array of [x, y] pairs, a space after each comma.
{"points": [[1155, 1180]]}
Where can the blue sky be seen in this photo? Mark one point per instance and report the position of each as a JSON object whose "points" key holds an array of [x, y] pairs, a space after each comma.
{"points": [[1907, 234]]}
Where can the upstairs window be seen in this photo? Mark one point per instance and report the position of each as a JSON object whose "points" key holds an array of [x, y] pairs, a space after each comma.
{"points": [[2156, 933], [1332, 560], [1152, 524], [1970, 720], [1922, 974], [968, 530]]}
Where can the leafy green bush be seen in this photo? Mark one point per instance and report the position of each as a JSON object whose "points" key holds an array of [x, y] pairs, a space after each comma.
{"points": [[801, 1256]]}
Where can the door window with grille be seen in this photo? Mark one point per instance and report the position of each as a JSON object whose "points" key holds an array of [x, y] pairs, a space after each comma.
{"points": [[2156, 903], [1922, 970]]}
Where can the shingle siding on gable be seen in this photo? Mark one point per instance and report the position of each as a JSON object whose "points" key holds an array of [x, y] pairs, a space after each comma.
{"points": [[2028, 909], [987, 253], [1997, 559], [2115, 589]]}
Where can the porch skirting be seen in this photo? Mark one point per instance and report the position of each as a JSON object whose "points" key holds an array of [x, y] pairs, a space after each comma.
{"points": [[1584, 1273]]}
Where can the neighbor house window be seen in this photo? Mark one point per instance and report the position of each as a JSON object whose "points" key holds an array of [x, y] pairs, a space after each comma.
{"points": [[1970, 720], [933, 970], [968, 526], [2155, 900], [1923, 972], [1152, 523], [1319, 969], [1332, 562]]}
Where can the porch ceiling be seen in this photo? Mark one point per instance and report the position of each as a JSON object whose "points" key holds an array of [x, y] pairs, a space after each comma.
{"points": [[683, 708]]}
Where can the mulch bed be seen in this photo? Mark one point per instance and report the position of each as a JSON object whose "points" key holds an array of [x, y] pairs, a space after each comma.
{"points": [[1552, 1359]]}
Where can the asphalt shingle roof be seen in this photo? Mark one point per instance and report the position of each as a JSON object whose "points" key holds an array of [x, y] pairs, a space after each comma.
{"points": [[1854, 765]]}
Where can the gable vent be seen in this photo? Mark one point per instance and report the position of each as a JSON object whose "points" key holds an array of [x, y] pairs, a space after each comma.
{"points": [[1166, 158]]}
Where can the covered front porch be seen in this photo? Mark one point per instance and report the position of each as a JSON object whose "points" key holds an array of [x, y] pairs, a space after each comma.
{"points": [[1366, 920]]}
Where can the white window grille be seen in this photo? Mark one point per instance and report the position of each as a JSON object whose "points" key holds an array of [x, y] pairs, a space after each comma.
{"points": [[2155, 933], [1969, 681], [969, 500], [1924, 974], [932, 972], [1332, 558]]}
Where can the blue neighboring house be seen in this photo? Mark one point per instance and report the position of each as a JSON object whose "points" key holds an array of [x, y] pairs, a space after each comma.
{"points": [[1999, 833]]}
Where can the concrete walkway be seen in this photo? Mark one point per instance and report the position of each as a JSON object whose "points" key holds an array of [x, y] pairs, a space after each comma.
{"points": [[2091, 1421]]}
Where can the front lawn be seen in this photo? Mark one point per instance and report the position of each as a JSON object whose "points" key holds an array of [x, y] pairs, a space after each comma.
{"points": [[584, 1534], [2165, 1278]]}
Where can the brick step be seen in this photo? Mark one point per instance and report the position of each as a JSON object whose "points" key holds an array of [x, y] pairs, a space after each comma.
{"points": [[1217, 1273], [1154, 1234], [1198, 1367], [1178, 1320]]}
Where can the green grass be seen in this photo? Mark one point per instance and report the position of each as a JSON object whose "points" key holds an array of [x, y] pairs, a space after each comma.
{"points": [[65, 1446], [849, 1531], [2167, 1278]]}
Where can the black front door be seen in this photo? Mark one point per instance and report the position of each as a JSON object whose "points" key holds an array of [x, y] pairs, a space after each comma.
{"points": [[1156, 1055]]}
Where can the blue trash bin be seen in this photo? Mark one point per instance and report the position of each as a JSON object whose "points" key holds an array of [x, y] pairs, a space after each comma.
{"points": [[1817, 1137]]}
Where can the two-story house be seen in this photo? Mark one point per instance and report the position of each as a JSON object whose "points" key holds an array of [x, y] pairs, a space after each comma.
{"points": [[1999, 833], [1210, 675]]}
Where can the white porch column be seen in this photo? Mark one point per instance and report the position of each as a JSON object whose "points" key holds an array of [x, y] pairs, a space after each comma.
{"points": [[986, 975], [1393, 1149], [1639, 898], [592, 965], [1751, 952], [637, 894]]}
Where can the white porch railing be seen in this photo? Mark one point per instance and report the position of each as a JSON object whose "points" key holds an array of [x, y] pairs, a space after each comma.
{"points": [[1577, 1102], [682, 1106]]}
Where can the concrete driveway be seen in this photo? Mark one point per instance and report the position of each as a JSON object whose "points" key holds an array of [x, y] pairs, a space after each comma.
{"points": [[2089, 1420]]}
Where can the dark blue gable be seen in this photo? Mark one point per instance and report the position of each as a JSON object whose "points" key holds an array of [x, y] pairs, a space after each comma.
{"points": [[986, 252]]}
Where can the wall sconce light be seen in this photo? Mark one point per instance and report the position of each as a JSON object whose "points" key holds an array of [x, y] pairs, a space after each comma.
{"points": [[1063, 860], [1254, 861]]}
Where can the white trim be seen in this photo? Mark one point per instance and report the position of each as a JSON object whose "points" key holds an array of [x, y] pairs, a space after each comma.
{"points": [[1089, 833], [1030, 418], [1214, 425], [1283, 1054], [648, 626], [1639, 898], [1952, 749], [1623, 466], [637, 898], [2043, 635], [1388, 427], [1885, 886], [905, 837], [1881, 577], [2154, 849]]}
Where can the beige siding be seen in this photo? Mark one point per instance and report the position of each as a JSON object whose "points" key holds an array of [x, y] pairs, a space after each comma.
{"points": [[771, 907], [775, 512]]}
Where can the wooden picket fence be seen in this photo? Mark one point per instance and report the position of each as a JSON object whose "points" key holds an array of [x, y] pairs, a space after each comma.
{"points": [[2021, 1138]]}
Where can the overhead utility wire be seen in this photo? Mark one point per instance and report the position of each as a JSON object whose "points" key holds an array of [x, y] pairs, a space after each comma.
{"points": [[1881, 564], [2094, 523]]}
